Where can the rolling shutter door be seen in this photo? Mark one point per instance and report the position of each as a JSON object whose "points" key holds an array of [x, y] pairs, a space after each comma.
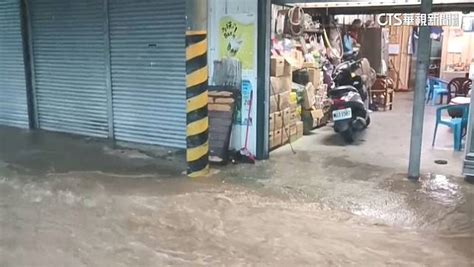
{"points": [[69, 49], [13, 101], [147, 40]]}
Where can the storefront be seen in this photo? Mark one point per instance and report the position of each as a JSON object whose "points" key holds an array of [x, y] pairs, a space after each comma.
{"points": [[98, 68], [110, 69], [117, 69], [398, 63], [14, 107]]}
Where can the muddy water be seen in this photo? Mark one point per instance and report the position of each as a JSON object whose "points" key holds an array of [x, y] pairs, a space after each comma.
{"points": [[98, 220]]}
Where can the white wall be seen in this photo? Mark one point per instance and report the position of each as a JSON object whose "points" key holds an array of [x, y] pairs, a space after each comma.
{"points": [[217, 10]]}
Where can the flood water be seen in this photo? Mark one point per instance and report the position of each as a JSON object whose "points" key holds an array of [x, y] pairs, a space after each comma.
{"points": [[328, 205], [93, 219]]}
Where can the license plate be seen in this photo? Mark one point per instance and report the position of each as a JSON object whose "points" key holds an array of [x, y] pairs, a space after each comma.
{"points": [[342, 114]]}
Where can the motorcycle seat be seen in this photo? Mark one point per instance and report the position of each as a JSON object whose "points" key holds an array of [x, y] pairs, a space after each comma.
{"points": [[344, 89]]}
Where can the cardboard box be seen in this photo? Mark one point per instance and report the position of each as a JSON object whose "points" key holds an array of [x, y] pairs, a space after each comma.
{"points": [[311, 119], [293, 130], [286, 83], [285, 135], [299, 128], [308, 96], [274, 139], [279, 66], [310, 65], [299, 132], [319, 102], [297, 59], [219, 107], [294, 117], [277, 138], [317, 115], [274, 103], [295, 138], [278, 120], [224, 100], [271, 139], [314, 77], [219, 94], [271, 122], [280, 84], [286, 117], [284, 100], [275, 85]]}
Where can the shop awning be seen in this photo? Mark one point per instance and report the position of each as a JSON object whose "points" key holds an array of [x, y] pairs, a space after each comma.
{"points": [[380, 6]]}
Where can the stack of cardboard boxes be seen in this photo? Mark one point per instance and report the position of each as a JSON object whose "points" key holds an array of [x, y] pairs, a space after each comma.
{"points": [[323, 104], [296, 125], [221, 107], [284, 118], [314, 96]]}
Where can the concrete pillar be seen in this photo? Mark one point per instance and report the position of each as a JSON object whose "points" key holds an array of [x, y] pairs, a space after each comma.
{"points": [[423, 61], [197, 133]]}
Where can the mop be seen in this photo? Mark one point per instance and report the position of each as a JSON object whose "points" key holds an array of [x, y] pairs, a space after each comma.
{"points": [[246, 155]]}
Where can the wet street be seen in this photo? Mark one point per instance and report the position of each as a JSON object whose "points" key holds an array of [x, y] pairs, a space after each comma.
{"points": [[70, 201], [100, 220]]}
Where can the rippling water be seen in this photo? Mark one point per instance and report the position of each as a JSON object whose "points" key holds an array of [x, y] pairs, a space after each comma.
{"points": [[95, 220]]}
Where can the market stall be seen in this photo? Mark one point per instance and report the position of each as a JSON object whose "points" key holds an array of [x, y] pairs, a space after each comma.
{"points": [[306, 48]]}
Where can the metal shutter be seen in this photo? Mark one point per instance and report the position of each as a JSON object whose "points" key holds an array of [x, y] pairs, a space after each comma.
{"points": [[70, 73], [147, 40], [13, 103]]}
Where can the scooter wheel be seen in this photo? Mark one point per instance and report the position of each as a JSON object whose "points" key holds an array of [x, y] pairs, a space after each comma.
{"points": [[367, 122], [348, 136]]}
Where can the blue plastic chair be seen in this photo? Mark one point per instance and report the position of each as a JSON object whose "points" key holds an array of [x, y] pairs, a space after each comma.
{"points": [[437, 89], [456, 124], [429, 92]]}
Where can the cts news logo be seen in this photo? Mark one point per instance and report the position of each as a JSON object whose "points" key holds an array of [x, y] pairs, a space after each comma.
{"points": [[419, 19], [394, 19]]}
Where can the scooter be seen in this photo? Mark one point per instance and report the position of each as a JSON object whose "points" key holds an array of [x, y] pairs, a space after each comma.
{"points": [[349, 110]]}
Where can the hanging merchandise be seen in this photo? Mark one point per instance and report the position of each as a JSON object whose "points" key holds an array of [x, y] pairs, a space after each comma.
{"points": [[296, 19], [280, 24], [312, 41], [281, 47], [302, 42], [309, 24], [309, 58]]}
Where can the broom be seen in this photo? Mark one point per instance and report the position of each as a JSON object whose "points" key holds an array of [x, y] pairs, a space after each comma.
{"points": [[246, 155]]}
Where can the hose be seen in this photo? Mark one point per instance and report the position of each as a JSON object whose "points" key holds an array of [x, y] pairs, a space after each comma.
{"points": [[333, 50]]}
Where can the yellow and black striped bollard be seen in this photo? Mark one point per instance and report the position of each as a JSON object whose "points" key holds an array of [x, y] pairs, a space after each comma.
{"points": [[197, 135]]}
